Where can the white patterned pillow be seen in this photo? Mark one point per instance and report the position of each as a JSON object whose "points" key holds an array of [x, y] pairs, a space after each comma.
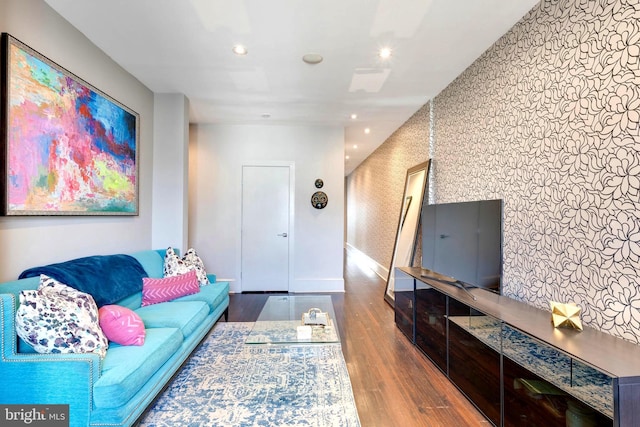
{"points": [[174, 265], [56, 318], [192, 258]]}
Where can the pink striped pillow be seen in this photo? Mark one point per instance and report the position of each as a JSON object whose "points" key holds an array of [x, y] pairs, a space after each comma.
{"points": [[155, 291], [121, 325]]}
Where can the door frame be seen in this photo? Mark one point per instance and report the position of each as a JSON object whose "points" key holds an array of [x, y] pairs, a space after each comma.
{"points": [[291, 237]]}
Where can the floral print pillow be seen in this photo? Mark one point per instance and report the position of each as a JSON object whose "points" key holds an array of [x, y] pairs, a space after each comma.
{"points": [[56, 318], [174, 265], [192, 258]]}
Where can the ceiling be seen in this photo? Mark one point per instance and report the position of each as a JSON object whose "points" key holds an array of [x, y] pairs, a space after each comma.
{"points": [[185, 46]]}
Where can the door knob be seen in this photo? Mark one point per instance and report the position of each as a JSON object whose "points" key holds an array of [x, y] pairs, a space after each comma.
{"points": [[282, 234]]}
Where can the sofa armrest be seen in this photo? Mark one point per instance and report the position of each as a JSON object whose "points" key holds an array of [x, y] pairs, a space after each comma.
{"points": [[36, 378]]}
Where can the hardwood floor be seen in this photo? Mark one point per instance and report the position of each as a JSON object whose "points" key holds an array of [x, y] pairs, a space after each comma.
{"points": [[393, 382]]}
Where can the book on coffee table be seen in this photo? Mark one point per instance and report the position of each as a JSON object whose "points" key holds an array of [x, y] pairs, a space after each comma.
{"points": [[315, 317]]}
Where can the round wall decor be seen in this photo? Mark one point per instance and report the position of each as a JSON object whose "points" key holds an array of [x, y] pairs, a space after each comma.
{"points": [[319, 183], [319, 200]]}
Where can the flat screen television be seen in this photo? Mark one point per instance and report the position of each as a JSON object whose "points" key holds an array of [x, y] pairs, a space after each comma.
{"points": [[463, 241]]}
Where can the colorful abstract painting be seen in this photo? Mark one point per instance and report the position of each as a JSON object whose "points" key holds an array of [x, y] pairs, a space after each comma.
{"points": [[70, 149]]}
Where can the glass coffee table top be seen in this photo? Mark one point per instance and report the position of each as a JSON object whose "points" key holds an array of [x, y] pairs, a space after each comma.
{"points": [[282, 314]]}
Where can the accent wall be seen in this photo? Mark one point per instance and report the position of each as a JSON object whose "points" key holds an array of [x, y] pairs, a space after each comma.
{"points": [[548, 120], [376, 187]]}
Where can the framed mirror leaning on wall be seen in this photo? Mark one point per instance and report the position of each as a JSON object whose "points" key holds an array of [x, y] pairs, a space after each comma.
{"points": [[404, 247]]}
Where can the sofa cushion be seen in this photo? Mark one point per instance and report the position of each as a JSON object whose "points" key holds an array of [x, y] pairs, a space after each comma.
{"points": [[15, 287], [121, 325], [56, 318], [151, 261], [213, 295], [126, 369], [155, 291], [132, 301], [24, 347], [184, 315]]}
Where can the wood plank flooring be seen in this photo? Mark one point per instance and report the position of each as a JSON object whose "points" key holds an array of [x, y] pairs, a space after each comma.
{"points": [[393, 382]]}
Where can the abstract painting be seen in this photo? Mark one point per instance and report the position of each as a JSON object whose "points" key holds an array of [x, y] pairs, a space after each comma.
{"points": [[69, 148]]}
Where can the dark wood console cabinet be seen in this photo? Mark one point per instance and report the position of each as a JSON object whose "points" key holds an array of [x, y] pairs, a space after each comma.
{"points": [[510, 361]]}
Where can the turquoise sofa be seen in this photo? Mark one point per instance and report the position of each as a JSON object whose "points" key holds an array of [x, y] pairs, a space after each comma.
{"points": [[117, 390]]}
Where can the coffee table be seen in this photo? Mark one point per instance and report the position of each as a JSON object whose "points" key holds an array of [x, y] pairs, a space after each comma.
{"points": [[282, 314]]}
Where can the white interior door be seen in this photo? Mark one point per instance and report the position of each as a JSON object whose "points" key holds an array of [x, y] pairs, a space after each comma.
{"points": [[265, 228]]}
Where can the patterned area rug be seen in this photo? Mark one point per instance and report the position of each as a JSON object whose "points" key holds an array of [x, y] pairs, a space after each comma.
{"points": [[229, 383]]}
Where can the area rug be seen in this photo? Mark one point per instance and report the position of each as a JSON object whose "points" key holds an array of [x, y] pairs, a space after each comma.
{"points": [[229, 383]]}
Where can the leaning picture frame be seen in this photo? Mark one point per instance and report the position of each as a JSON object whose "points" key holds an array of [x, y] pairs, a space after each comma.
{"points": [[404, 248], [68, 148]]}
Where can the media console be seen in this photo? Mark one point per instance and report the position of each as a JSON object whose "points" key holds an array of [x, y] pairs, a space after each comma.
{"points": [[510, 361]]}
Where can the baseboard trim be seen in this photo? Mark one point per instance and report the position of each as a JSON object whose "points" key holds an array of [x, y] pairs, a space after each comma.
{"points": [[365, 261], [298, 286], [234, 286], [317, 285]]}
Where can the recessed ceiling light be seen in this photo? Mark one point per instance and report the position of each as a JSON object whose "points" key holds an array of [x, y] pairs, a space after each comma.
{"points": [[385, 53], [367, 131], [354, 116], [355, 146], [312, 58], [240, 50], [346, 157]]}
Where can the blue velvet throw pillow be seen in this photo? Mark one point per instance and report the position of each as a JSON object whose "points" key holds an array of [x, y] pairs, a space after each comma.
{"points": [[107, 278]]}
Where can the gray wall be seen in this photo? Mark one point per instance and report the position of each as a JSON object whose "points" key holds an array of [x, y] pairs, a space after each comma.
{"points": [[217, 154], [29, 241], [547, 119], [171, 170]]}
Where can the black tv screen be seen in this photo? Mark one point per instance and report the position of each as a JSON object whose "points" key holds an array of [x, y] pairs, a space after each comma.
{"points": [[463, 241]]}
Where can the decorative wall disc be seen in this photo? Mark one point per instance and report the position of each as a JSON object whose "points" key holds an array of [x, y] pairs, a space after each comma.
{"points": [[319, 200], [319, 183]]}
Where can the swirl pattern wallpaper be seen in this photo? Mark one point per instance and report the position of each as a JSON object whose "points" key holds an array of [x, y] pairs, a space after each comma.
{"points": [[548, 119], [375, 188]]}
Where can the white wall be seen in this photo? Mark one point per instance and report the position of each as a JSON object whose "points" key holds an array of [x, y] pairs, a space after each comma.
{"points": [[30, 241], [170, 171], [217, 153]]}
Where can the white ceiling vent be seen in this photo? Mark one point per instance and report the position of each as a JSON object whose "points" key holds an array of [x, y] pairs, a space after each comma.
{"points": [[369, 80]]}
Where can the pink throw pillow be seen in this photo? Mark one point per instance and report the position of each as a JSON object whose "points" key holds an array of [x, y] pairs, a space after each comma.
{"points": [[169, 288], [121, 325]]}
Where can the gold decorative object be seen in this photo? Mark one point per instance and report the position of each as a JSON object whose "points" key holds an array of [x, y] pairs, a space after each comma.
{"points": [[565, 315]]}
